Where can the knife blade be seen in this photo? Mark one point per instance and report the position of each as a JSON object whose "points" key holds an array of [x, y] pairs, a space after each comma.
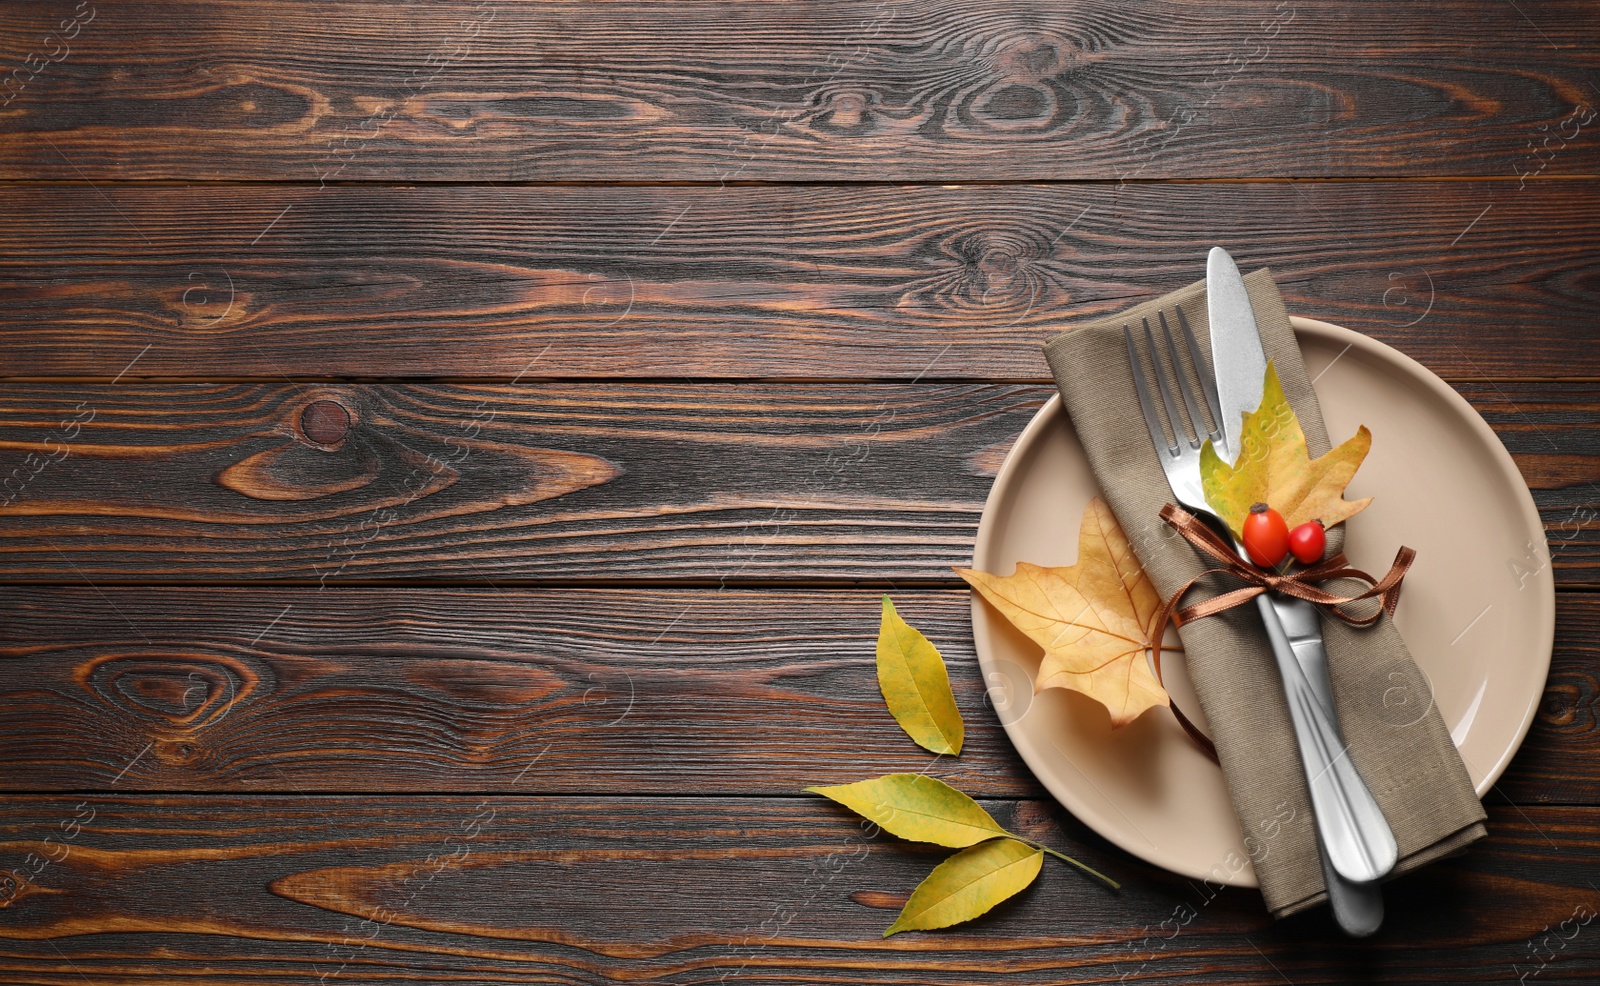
{"points": [[1242, 374], [1239, 363]]}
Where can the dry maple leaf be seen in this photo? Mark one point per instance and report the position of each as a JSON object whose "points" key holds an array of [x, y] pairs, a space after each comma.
{"points": [[1094, 619], [1274, 468]]}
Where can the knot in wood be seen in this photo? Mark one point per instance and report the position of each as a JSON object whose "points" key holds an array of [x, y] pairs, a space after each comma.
{"points": [[324, 423], [1029, 59], [845, 110]]}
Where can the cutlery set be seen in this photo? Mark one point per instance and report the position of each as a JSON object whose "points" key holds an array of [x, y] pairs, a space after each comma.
{"points": [[1356, 845]]}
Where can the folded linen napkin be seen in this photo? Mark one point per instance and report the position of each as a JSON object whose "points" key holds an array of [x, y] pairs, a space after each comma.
{"points": [[1412, 767]]}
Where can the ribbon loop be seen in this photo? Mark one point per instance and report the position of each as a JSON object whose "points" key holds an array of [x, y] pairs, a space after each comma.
{"points": [[1303, 584]]}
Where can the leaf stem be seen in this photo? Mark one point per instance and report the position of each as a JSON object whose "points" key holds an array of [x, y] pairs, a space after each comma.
{"points": [[1114, 885]]}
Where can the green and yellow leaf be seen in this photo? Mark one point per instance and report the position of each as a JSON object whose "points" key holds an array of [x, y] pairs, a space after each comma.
{"points": [[918, 808], [1274, 468], [969, 884], [916, 685], [1094, 619]]}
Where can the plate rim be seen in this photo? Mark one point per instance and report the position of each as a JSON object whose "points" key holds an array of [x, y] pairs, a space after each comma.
{"points": [[1545, 579]]}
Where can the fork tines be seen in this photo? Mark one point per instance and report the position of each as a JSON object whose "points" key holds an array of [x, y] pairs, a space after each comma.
{"points": [[1170, 374]]}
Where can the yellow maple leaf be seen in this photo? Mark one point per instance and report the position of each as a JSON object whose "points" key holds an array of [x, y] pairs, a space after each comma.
{"points": [[1094, 619], [1274, 468]]}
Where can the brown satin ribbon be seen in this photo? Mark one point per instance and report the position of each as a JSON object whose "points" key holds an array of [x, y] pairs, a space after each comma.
{"points": [[1301, 585]]}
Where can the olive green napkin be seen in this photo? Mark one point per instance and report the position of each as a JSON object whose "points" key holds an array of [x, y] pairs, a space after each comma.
{"points": [[1405, 756]]}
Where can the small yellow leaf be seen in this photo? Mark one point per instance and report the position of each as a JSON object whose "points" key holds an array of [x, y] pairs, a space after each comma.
{"points": [[968, 884], [1094, 619], [916, 685], [1274, 468], [917, 807]]}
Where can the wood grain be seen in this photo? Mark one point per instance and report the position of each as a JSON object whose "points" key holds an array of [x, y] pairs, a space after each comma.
{"points": [[543, 692], [710, 483], [837, 90], [703, 890], [748, 282], [607, 691]]}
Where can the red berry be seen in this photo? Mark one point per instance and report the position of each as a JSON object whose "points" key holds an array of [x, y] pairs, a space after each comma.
{"points": [[1266, 536], [1308, 542]]}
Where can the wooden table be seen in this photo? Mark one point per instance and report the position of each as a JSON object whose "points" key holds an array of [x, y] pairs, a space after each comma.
{"points": [[456, 451]]}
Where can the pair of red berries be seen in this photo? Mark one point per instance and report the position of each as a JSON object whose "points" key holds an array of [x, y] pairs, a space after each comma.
{"points": [[1268, 540]]}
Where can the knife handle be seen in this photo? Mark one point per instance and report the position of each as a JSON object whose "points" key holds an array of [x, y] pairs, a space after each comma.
{"points": [[1357, 907], [1359, 842]]}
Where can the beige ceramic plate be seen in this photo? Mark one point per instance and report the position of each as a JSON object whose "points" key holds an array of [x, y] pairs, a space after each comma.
{"points": [[1478, 612]]}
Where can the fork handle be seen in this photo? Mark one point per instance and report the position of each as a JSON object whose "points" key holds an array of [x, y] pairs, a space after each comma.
{"points": [[1357, 907], [1359, 843]]}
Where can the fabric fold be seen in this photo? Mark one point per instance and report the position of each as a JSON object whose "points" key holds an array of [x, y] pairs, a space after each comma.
{"points": [[1396, 737]]}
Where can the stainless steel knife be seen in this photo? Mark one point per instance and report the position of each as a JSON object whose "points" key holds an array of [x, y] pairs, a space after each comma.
{"points": [[1240, 365]]}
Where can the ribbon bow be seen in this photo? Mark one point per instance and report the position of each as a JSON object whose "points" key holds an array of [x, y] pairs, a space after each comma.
{"points": [[1302, 585]]}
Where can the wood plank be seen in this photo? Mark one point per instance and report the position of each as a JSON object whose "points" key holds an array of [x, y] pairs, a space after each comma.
{"points": [[607, 691], [788, 282], [711, 483], [835, 90], [700, 890], [541, 692]]}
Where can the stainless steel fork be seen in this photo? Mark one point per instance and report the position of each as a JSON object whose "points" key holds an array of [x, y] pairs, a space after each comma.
{"points": [[1180, 454], [1348, 819]]}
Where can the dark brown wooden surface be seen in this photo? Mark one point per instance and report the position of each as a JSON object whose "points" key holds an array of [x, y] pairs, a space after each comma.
{"points": [[455, 452], [570, 691], [718, 483], [883, 283], [708, 890], [830, 91]]}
